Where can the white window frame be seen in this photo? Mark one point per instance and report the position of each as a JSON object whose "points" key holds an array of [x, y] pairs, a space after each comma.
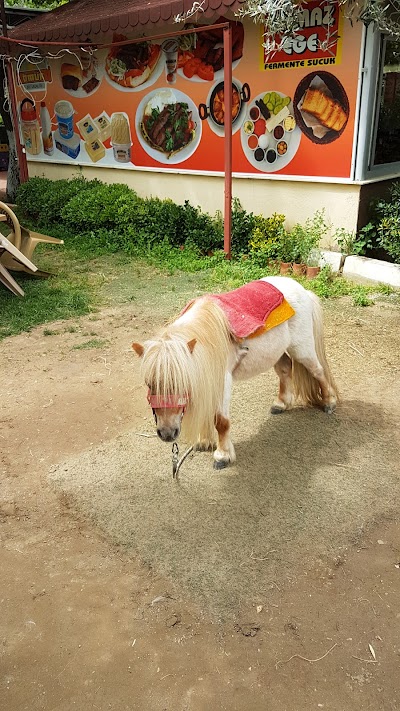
{"points": [[371, 88]]}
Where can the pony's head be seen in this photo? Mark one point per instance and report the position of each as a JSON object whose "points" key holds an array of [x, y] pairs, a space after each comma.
{"points": [[168, 383], [184, 368]]}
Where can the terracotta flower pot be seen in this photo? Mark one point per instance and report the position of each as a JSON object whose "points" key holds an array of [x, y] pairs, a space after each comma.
{"points": [[299, 269], [284, 268], [312, 272]]}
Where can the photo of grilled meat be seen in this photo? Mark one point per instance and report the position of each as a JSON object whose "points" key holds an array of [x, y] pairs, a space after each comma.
{"points": [[170, 129]]}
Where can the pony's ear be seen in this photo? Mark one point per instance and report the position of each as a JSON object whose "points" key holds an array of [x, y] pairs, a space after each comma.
{"points": [[191, 344], [138, 348]]}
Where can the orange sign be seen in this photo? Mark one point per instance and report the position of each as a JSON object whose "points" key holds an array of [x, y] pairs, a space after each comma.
{"points": [[160, 104], [317, 43], [34, 74]]}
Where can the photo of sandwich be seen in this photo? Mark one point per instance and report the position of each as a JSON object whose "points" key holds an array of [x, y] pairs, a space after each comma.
{"points": [[168, 126], [132, 65], [71, 76], [80, 79], [321, 107]]}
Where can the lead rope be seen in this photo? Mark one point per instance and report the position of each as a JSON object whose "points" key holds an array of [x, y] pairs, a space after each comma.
{"points": [[176, 462]]}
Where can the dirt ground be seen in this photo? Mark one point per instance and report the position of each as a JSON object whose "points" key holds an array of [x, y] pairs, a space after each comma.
{"points": [[274, 585]]}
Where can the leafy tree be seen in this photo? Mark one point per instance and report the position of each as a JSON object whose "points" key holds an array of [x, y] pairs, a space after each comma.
{"points": [[283, 18]]}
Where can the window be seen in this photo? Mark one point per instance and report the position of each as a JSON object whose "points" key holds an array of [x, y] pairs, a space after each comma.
{"points": [[386, 142]]}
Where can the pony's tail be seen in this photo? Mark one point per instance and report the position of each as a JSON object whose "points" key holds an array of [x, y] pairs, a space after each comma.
{"points": [[306, 388]]}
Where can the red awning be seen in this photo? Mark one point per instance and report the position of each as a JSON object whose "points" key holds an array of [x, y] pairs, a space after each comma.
{"points": [[79, 20]]}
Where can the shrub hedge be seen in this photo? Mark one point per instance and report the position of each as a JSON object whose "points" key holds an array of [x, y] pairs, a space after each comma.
{"points": [[113, 217], [96, 218]]}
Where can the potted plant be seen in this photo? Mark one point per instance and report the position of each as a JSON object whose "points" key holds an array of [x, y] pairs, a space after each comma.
{"points": [[306, 240], [313, 268], [298, 237], [285, 250]]}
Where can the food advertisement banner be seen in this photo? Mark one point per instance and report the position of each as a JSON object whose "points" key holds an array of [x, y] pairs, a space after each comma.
{"points": [[160, 104], [317, 44]]}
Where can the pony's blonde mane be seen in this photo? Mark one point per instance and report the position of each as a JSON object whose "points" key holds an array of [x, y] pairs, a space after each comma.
{"points": [[171, 370]]}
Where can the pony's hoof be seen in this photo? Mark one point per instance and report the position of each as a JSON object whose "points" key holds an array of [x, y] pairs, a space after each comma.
{"points": [[220, 464], [276, 410], [329, 409]]}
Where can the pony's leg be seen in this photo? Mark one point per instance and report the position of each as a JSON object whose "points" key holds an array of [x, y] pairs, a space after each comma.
{"points": [[225, 452], [314, 367], [285, 399]]}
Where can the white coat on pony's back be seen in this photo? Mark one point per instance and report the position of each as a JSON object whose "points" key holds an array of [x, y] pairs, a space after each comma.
{"points": [[196, 358]]}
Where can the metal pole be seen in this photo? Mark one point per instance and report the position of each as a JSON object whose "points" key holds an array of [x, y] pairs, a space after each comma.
{"points": [[22, 162], [228, 139]]}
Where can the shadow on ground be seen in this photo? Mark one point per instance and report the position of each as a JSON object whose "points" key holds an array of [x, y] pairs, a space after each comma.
{"points": [[305, 484]]}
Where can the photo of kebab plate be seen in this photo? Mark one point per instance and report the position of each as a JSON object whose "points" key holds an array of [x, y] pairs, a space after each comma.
{"points": [[131, 65], [167, 124]]}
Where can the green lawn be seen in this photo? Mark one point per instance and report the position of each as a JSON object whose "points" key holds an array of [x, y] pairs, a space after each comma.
{"points": [[81, 285]]}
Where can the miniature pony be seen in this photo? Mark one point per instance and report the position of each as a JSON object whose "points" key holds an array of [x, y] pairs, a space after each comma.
{"points": [[189, 367]]}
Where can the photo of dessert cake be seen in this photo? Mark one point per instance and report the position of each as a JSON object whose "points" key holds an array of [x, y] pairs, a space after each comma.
{"points": [[321, 107]]}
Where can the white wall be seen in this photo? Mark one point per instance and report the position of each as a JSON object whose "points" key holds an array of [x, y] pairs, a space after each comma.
{"points": [[297, 200]]}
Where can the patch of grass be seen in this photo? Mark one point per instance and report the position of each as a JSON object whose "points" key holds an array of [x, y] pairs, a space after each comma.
{"points": [[45, 300], [384, 289], [93, 343], [82, 284], [50, 332], [360, 296]]}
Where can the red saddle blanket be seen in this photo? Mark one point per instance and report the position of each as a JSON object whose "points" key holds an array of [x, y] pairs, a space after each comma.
{"points": [[248, 308]]}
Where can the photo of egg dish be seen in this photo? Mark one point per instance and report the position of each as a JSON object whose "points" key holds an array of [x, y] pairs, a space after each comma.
{"points": [[214, 108], [321, 107], [269, 135], [166, 125], [83, 79], [133, 66]]}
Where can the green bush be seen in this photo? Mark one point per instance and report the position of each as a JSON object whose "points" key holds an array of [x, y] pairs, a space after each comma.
{"points": [[44, 199], [267, 237], [97, 206], [351, 243], [243, 224], [200, 229], [101, 217], [383, 230], [388, 227], [32, 197], [152, 220]]}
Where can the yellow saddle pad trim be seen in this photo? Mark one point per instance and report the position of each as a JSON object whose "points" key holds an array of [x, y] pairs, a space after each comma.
{"points": [[279, 315]]}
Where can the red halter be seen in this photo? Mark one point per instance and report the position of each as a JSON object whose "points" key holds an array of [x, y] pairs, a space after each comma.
{"points": [[156, 402]]}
